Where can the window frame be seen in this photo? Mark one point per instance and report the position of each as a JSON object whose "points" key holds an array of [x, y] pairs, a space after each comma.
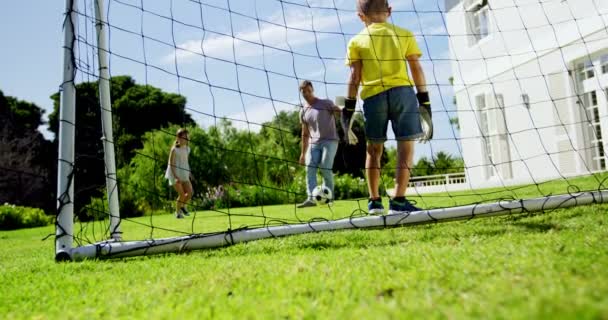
{"points": [[476, 12], [481, 102]]}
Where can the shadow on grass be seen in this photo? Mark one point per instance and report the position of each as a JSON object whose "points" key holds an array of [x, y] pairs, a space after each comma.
{"points": [[538, 226]]}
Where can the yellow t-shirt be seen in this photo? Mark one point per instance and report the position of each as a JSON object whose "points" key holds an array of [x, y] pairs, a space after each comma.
{"points": [[382, 48]]}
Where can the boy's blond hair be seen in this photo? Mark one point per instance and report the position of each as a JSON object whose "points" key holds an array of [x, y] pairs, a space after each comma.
{"points": [[371, 7]]}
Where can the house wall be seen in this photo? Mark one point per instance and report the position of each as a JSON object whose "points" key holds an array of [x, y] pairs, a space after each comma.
{"points": [[530, 49]]}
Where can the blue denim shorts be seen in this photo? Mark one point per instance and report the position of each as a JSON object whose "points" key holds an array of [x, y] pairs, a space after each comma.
{"points": [[400, 106]]}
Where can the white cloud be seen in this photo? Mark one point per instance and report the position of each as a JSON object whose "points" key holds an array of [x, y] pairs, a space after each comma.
{"points": [[437, 29], [296, 32], [255, 116], [331, 68]]}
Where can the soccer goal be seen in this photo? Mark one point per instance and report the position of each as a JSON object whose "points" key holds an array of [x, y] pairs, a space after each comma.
{"points": [[159, 93]]}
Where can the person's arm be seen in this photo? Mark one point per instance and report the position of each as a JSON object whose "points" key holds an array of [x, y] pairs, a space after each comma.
{"points": [[335, 109], [172, 164], [305, 142], [190, 175], [417, 73], [355, 79], [423, 97], [351, 102]]}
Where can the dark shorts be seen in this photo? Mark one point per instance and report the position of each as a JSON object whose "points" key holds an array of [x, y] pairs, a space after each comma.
{"points": [[400, 106]]}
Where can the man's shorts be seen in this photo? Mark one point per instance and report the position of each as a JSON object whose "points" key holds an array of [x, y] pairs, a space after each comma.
{"points": [[400, 106]]}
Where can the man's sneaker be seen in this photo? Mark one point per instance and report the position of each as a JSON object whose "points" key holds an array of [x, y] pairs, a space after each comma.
{"points": [[306, 204], [375, 207], [401, 206], [185, 212], [179, 215]]}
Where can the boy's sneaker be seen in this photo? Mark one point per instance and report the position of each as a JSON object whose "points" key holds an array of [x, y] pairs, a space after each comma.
{"points": [[307, 203], [399, 206], [185, 212], [375, 207], [179, 215]]}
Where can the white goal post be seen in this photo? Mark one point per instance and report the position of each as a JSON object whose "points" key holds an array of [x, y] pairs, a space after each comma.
{"points": [[67, 125]]}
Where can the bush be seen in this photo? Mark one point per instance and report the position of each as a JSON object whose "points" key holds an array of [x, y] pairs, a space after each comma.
{"points": [[250, 196], [98, 209], [348, 187], [14, 217]]}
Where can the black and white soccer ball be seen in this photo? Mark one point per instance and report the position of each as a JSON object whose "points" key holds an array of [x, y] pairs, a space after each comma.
{"points": [[322, 195]]}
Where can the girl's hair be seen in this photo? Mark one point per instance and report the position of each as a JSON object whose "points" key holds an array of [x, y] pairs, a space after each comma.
{"points": [[180, 133]]}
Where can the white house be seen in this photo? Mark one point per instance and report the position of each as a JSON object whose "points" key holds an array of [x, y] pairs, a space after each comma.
{"points": [[531, 85]]}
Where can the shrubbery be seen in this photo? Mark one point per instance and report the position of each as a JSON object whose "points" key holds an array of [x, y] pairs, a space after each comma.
{"points": [[348, 187], [16, 217], [250, 196], [234, 196]]}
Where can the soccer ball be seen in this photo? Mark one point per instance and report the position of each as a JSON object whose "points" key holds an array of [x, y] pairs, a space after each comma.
{"points": [[322, 195]]}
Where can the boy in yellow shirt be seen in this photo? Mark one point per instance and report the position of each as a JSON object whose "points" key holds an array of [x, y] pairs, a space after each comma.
{"points": [[377, 58]]}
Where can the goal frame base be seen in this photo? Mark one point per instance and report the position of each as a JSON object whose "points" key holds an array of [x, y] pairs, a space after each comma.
{"points": [[122, 249]]}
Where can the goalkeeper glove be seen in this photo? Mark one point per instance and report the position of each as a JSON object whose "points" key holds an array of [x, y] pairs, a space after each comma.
{"points": [[347, 119], [426, 116]]}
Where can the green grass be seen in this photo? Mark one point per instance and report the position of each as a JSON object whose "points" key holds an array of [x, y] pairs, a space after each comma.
{"points": [[552, 265]]}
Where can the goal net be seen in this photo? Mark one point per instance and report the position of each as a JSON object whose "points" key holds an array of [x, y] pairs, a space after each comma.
{"points": [[518, 93]]}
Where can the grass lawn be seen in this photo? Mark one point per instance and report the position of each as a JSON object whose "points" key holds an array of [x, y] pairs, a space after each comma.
{"points": [[551, 265]]}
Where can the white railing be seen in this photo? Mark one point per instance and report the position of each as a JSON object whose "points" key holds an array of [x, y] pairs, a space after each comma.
{"points": [[438, 180]]}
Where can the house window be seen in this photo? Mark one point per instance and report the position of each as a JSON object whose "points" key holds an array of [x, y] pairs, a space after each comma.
{"points": [[595, 131], [604, 64], [484, 117], [502, 137], [477, 19], [586, 70]]}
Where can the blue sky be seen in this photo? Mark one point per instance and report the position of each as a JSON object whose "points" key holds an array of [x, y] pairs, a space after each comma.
{"points": [[221, 75]]}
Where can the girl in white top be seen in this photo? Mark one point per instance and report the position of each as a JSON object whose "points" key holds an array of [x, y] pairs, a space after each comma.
{"points": [[178, 172]]}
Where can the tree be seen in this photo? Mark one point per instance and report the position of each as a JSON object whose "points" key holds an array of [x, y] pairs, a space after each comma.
{"points": [[137, 109], [455, 122], [423, 167], [27, 172], [440, 163], [279, 147], [160, 110], [143, 186]]}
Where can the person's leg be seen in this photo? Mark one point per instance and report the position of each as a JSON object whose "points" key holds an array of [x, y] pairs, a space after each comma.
{"points": [[180, 198], [372, 168], [313, 158], [405, 162], [188, 192], [327, 163], [187, 186], [375, 110], [405, 119]]}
